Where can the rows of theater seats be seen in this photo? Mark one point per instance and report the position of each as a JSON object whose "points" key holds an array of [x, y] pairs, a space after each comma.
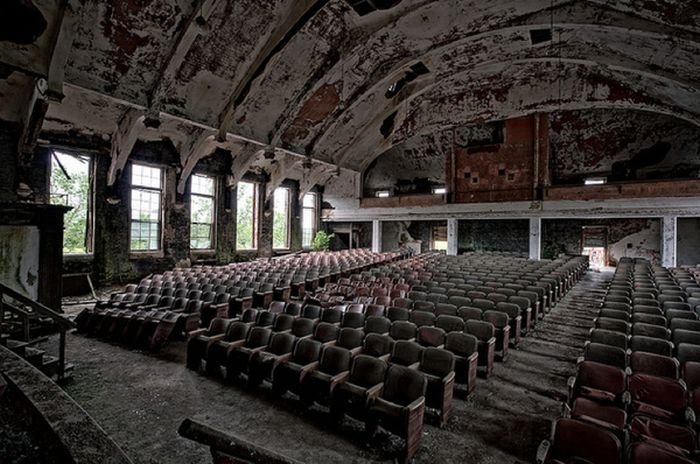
{"points": [[636, 394], [381, 364], [167, 306]]}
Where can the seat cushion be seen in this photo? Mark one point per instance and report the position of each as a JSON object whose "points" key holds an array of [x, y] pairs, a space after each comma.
{"points": [[386, 408]]}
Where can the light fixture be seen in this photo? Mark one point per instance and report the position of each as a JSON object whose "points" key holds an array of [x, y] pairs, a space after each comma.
{"points": [[382, 194], [595, 181], [439, 190]]}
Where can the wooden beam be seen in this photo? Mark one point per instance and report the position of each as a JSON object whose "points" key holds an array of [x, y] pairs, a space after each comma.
{"points": [[59, 56], [193, 28], [123, 141], [280, 171], [33, 119], [197, 147]]}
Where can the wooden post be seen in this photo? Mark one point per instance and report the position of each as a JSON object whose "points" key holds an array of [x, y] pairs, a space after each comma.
{"points": [[62, 354]]}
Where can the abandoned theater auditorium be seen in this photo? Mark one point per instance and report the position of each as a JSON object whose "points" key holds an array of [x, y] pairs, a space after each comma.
{"points": [[349, 231]]}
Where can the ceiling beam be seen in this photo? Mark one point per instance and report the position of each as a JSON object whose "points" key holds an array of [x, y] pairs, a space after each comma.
{"points": [[196, 25], [242, 161], [123, 141], [279, 172], [319, 174], [291, 25], [59, 56]]}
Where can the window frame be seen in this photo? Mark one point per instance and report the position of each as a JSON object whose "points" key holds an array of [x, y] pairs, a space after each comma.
{"points": [[255, 213], [161, 218], [287, 222], [213, 199], [90, 219], [314, 227]]}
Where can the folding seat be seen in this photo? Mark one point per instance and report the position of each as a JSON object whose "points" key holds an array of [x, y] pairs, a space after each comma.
{"points": [[476, 294], [651, 345], [455, 292], [483, 304], [416, 296], [687, 324], [639, 301], [642, 452], [514, 320], [470, 313], [459, 301], [431, 337], [402, 303], [660, 397], [575, 441], [609, 337], [241, 301], [403, 330], [351, 340], [500, 322], [437, 365], [651, 330], [525, 312], [618, 306], [422, 318], [377, 345], [331, 315], [534, 298], [333, 369], [289, 374], [654, 319], [377, 324], [265, 318], [293, 309], [654, 364], [277, 307], [199, 341], [424, 306], [353, 320], [666, 297], [497, 297], [283, 323], [485, 289], [382, 300], [445, 308], [326, 333], [614, 314], [374, 310], [406, 353], [605, 354], [615, 325], [620, 302], [486, 334], [450, 323], [646, 309], [690, 337], [398, 314], [464, 347], [599, 382], [400, 408], [674, 437], [239, 354], [364, 383], [686, 352], [610, 417], [262, 363]]}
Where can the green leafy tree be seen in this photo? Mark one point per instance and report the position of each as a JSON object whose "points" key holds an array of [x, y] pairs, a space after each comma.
{"points": [[72, 192], [245, 216], [322, 241]]}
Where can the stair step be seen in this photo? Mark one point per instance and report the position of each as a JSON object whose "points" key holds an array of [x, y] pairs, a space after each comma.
{"points": [[49, 365], [34, 356], [16, 346]]}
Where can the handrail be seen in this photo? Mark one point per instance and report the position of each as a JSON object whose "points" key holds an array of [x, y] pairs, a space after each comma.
{"points": [[65, 323]]}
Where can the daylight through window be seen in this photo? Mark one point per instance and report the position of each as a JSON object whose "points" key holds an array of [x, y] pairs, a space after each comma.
{"points": [[247, 207], [146, 198], [202, 206], [280, 222], [70, 186], [308, 220]]}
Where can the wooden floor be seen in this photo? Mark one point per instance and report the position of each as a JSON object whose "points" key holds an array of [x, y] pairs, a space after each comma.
{"points": [[141, 399]]}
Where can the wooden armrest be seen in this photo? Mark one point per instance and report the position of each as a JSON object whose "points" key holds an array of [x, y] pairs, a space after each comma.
{"points": [[449, 378], [374, 391], [339, 378], [196, 333], [416, 405]]}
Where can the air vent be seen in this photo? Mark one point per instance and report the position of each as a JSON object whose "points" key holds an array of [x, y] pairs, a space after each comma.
{"points": [[388, 125], [363, 7], [411, 74], [540, 35]]}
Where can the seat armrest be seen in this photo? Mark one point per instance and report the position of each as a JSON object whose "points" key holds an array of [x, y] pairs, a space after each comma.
{"points": [[570, 384], [196, 333], [374, 391], [233, 345], [543, 451], [626, 398], [491, 341], [339, 378], [215, 338], [449, 378], [416, 405], [283, 358], [689, 415]]}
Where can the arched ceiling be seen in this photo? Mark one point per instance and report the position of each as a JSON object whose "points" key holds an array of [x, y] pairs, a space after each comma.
{"points": [[311, 76]]}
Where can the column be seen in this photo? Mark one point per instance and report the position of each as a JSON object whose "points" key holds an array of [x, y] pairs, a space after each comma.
{"points": [[535, 238], [669, 240], [376, 236], [452, 237]]}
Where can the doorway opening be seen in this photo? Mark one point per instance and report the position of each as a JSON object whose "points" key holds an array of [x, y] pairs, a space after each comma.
{"points": [[594, 244]]}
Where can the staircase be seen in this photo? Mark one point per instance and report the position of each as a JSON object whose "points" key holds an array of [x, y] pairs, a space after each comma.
{"points": [[25, 323]]}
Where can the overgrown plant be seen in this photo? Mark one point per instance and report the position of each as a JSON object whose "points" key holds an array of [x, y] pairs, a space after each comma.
{"points": [[322, 241]]}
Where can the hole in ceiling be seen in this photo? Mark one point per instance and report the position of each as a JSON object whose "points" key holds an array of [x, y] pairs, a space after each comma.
{"points": [[415, 70], [388, 125], [540, 35], [363, 7]]}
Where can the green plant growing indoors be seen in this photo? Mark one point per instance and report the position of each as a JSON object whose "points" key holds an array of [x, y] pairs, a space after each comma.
{"points": [[322, 241]]}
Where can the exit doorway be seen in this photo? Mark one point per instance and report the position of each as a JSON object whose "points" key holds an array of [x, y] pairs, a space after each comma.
{"points": [[594, 244]]}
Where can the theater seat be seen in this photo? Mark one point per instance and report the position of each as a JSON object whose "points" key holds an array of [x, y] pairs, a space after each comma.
{"points": [[406, 353], [290, 374], [363, 385], [262, 363], [658, 396], [438, 367], [465, 349], [645, 453], [578, 442], [400, 408], [333, 369]]}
